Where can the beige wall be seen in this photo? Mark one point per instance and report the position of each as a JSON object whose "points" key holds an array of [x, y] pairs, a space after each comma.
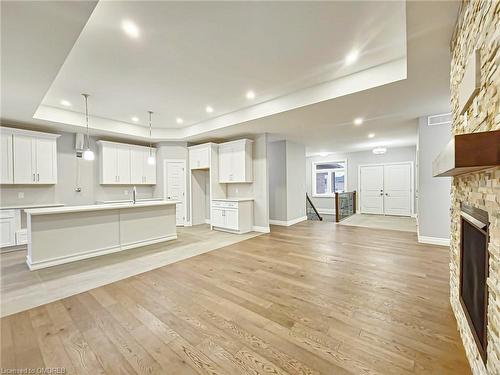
{"points": [[478, 27]]}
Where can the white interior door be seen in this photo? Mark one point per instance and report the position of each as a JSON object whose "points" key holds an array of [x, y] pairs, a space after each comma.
{"points": [[397, 189], [372, 189], [175, 187]]}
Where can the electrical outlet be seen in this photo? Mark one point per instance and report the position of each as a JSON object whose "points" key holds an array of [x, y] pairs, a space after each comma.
{"points": [[20, 195], [125, 192]]}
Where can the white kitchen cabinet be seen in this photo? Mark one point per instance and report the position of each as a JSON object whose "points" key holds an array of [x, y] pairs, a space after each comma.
{"points": [[232, 215], [124, 164], [141, 172], [7, 166], [199, 156], [115, 163], [34, 158], [8, 228], [235, 162]]}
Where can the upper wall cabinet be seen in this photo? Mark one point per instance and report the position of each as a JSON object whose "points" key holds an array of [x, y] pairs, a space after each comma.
{"points": [[123, 164], [28, 157], [235, 162], [199, 156], [141, 172], [7, 167]]}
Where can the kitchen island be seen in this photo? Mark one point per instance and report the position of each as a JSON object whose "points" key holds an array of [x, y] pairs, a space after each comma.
{"points": [[58, 235]]}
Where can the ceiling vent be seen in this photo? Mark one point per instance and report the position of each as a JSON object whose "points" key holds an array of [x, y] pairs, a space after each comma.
{"points": [[444, 119]]}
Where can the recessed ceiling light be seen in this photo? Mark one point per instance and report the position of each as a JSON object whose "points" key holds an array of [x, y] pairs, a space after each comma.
{"points": [[250, 95], [209, 109], [351, 57], [371, 135], [135, 119], [323, 154], [379, 150], [130, 29], [65, 103], [179, 120], [358, 121]]}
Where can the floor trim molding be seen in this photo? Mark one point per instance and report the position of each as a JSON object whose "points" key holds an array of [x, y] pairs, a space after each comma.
{"points": [[434, 240], [94, 253], [288, 222], [260, 229]]}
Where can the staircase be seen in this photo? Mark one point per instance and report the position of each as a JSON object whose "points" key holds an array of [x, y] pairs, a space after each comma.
{"points": [[311, 211]]}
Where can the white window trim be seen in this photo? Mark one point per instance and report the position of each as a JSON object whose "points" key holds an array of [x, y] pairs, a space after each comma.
{"points": [[313, 177]]}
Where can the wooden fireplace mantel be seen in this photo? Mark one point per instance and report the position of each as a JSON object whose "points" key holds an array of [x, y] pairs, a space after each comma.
{"points": [[467, 153]]}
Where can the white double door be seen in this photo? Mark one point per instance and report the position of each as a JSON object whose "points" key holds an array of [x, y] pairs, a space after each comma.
{"points": [[175, 187], [386, 189]]}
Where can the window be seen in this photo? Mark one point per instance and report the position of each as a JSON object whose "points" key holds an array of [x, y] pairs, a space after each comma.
{"points": [[329, 177]]}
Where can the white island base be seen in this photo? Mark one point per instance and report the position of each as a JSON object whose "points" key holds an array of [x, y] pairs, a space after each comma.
{"points": [[66, 234]]}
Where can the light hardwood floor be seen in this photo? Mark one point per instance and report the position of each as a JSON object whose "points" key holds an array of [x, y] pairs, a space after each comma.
{"points": [[314, 298], [21, 289]]}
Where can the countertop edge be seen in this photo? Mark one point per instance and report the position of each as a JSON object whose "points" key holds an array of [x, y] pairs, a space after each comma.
{"points": [[96, 207]]}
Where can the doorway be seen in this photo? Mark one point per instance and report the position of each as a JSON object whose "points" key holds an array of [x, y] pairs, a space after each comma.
{"points": [[386, 189], [174, 187]]}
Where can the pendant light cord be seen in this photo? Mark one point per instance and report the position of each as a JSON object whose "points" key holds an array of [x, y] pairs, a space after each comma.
{"points": [[87, 118], [150, 137]]}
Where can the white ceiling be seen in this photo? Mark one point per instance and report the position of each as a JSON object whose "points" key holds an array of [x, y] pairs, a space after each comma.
{"points": [[190, 55]]}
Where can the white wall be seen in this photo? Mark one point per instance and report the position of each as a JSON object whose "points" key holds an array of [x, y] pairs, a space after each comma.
{"points": [[287, 181], [354, 160], [433, 192], [64, 192], [277, 180]]}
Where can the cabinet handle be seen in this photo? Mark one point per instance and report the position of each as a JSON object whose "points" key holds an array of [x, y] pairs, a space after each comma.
{"points": [[38, 176], [33, 177]]}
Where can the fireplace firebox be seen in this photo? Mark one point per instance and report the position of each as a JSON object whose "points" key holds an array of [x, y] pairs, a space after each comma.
{"points": [[474, 265]]}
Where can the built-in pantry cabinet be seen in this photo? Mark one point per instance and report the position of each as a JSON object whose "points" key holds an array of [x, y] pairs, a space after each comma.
{"points": [[28, 157], [233, 215], [124, 164], [235, 161]]}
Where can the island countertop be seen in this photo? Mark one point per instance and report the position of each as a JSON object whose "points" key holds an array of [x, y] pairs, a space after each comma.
{"points": [[97, 207], [60, 235]]}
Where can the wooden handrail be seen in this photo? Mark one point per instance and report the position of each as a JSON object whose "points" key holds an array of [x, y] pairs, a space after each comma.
{"points": [[314, 208]]}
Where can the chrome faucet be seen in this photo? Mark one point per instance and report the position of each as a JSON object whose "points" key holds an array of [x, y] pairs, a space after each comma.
{"points": [[134, 194]]}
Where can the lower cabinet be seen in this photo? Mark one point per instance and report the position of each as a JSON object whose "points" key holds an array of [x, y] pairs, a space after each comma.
{"points": [[232, 216], [8, 227]]}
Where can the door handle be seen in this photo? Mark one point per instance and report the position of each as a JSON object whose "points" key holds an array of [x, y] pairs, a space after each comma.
{"points": [[387, 194]]}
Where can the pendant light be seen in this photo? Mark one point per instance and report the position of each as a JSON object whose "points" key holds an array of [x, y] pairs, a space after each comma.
{"points": [[151, 158], [88, 154]]}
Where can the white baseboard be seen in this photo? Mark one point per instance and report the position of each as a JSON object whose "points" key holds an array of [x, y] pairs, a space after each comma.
{"points": [[434, 240], [94, 253], [288, 222], [207, 221], [259, 229], [326, 211]]}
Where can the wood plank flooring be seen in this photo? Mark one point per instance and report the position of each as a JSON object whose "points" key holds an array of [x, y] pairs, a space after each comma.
{"points": [[314, 298]]}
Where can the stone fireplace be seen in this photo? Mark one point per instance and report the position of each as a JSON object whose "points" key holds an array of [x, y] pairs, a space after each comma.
{"points": [[478, 28], [474, 265]]}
